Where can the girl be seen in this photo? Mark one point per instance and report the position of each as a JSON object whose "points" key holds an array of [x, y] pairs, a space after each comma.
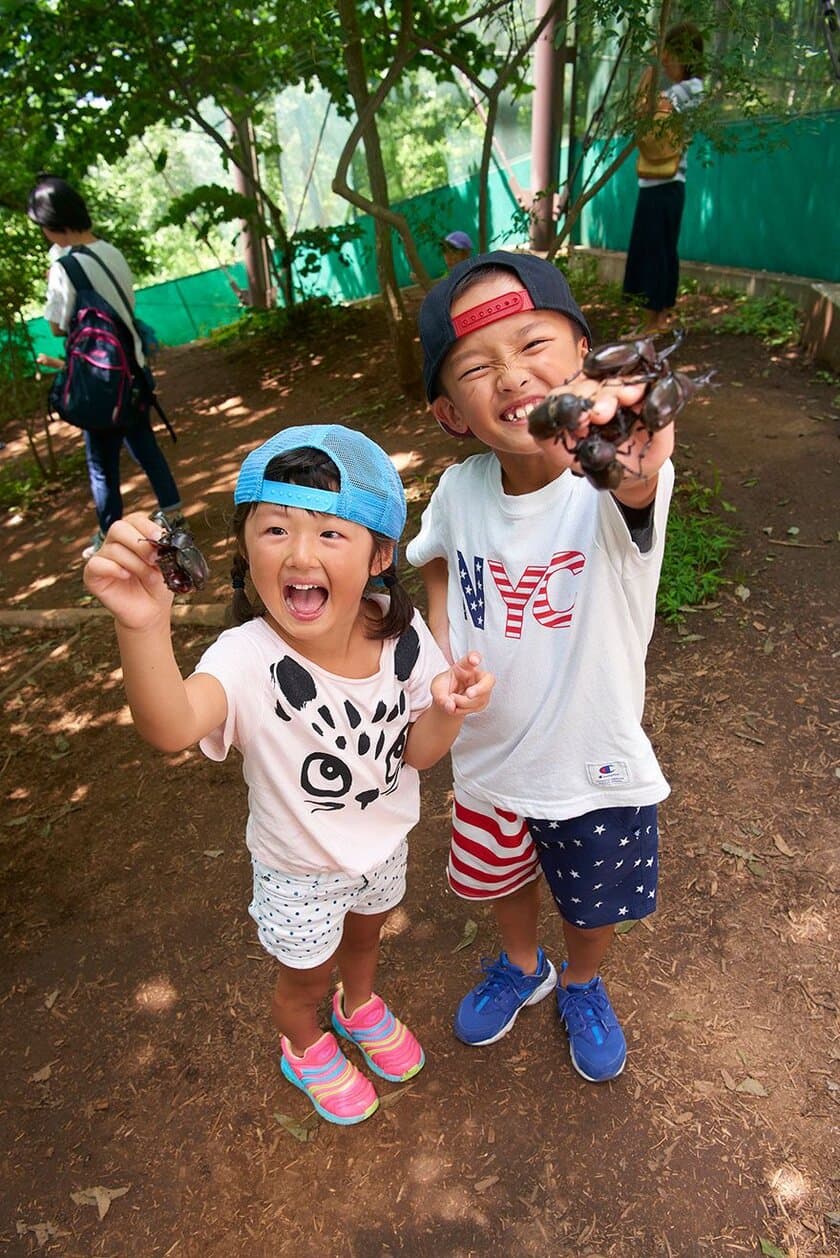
{"points": [[334, 697]]}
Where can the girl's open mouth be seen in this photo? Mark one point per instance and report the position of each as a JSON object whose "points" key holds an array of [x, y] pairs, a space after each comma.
{"points": [[305, 602]]}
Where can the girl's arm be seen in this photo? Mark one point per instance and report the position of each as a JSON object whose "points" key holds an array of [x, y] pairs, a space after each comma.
{"points": [[462, 689], [169, 712]]}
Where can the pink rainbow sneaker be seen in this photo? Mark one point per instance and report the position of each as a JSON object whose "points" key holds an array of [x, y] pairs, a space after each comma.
{"points": [[338, 1091], [386, 1044]]}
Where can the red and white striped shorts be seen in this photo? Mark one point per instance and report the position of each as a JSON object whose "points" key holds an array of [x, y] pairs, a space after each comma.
{"points": [[491, 851]]}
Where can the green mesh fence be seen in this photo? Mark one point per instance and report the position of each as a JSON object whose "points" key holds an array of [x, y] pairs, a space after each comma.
{"points": [[764, 210]]}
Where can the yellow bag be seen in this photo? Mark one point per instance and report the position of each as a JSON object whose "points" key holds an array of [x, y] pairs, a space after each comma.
{"points": [[660, 148]]}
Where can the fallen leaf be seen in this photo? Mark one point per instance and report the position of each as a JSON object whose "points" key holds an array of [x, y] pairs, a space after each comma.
{"points": [[484, 1184], [833, 1218], [391, 1098], [303, 1131], [99, 1197], [783, 847], [468, 937], [213, 851], [728, 1080], [742, 592], [42, 1232], [751, 1086], [42, 1075], [771, 1250], [684, 1117], [793, 531], [623, 927], [51, 998]]}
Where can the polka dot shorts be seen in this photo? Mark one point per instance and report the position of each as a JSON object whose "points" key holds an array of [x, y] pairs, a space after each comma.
{"points": [[300, 920]]}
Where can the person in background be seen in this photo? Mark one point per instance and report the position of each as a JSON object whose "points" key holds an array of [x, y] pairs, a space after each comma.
{"points": [[652, 269], [61, 213], [456, 247]]}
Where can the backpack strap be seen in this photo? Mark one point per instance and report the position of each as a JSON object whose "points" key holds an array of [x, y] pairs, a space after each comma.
{"points": [[89, 253], [75, 273]]}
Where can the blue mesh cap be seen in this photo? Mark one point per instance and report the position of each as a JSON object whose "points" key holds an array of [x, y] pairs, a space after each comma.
{"points": [[370, 493], [545, 284]]}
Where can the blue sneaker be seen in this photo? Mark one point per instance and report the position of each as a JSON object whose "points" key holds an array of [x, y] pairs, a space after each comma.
{"points": [[490, 1009], [596, 1040]]}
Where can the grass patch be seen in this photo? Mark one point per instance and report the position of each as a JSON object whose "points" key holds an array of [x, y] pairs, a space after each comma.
{"points": [[774, 319], [22, 483], [696, 546], [307, 318]]}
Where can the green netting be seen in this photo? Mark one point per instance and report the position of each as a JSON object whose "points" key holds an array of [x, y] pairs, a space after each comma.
{"points": [[773, 211]]}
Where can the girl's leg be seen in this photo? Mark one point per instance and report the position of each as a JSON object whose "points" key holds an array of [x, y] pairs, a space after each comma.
{"points": [[143, 446], [103, 462], [357, 958], [294, 1005]]}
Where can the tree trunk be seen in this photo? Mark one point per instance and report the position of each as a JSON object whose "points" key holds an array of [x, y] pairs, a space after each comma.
{"points": [[254, 249], [400, 328]]}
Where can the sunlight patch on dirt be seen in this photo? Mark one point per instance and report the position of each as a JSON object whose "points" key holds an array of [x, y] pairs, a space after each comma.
{"points": [[156, 995], [789, 1186]]}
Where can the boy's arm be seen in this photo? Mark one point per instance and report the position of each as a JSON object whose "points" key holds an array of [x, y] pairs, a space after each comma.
{"points": [[462, 689], [435, 575], [169, 712]]}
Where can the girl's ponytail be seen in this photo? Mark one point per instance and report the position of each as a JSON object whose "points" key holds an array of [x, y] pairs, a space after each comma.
{"points": [[400, 611], [242, 609]]}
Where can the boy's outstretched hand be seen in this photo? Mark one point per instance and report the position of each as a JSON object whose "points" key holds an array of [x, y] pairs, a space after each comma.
{"points": [[641, 452], [125, 577], [464, 687]]}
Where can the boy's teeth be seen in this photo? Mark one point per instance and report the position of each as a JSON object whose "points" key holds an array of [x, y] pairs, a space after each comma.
{"points": [[521, 412]]}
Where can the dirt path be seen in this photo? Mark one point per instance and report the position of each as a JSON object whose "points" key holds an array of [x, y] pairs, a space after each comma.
{"points": [[138, 1057]]}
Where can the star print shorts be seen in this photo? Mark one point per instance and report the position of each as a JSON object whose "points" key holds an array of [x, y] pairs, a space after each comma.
{"points": [[601, 868], [300, 920]]}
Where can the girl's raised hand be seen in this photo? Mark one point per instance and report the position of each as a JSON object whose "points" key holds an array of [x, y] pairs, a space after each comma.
{"points": [[125, 577], [464, 687]]}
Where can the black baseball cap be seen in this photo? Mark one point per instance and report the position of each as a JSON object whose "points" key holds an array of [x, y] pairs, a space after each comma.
{"points": [[546, 286]]}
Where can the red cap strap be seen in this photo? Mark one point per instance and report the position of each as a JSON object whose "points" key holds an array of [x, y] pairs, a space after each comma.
{"points": [[489, 311]]}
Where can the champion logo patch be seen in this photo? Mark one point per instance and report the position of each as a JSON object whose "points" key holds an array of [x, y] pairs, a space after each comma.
{"points": [[609, 773]]}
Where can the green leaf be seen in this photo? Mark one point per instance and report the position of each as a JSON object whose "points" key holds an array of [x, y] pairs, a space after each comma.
{"points": [[303, 1131], [623, 927], [468, 937], [771, 1250]]}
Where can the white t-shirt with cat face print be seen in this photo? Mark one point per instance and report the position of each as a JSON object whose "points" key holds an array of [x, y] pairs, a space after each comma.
{"points": [[322, 754]]}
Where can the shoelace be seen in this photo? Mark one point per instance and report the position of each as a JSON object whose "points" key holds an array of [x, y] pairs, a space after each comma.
{"points": [[583, 1009], [499, 977]]}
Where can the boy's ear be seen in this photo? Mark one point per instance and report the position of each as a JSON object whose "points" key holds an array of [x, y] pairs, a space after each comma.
{"points": [[382, 559], [449, 418]]}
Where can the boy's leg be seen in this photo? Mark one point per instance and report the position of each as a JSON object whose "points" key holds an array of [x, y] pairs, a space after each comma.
{"points": [[586, 950], [602, 869], [492, 860], [516, 917]]}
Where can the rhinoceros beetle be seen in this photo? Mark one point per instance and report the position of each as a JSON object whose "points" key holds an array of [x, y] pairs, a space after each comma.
{"points": [[563, 416], [668, 396], [182, 564], [625, 358]]}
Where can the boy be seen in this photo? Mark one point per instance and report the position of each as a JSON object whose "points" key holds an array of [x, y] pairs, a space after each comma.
{"points": [[457, 247], [555, 583]]}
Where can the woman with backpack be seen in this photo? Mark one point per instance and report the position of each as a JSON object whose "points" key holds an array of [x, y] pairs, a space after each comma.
{"points": [[63, 217]]}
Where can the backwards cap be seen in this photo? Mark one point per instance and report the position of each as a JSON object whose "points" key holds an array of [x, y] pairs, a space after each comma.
{"points": [[545, 286], [370, 491]]}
